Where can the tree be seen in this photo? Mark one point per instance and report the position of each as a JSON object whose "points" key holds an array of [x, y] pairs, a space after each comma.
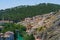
{"points": [[29, 37]]}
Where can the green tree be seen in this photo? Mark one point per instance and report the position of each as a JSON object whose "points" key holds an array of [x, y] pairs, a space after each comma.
{"points": [[29, 37]]}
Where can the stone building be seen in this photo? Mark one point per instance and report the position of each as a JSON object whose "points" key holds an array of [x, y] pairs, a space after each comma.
{"points": [[9, 35]]}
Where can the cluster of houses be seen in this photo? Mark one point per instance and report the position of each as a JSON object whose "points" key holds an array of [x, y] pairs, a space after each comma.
{"points": [[7, 36], [40, 21]]}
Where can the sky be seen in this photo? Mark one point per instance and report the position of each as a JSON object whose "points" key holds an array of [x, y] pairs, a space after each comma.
{"points": [[13, 3]]}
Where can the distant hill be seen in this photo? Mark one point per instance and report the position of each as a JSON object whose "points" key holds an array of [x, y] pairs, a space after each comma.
{"points": [[20, 12]]}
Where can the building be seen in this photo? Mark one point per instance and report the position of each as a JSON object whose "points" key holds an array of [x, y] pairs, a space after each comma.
{"points": [[5, 21], [38, 38], [1, 36], [9, 35]]}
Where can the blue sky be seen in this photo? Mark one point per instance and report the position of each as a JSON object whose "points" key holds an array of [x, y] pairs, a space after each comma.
{"points": [[12, 3]]}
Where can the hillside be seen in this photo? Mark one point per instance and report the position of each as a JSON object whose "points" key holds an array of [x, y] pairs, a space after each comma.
{"points": [[20, 12], [43, 27]]}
